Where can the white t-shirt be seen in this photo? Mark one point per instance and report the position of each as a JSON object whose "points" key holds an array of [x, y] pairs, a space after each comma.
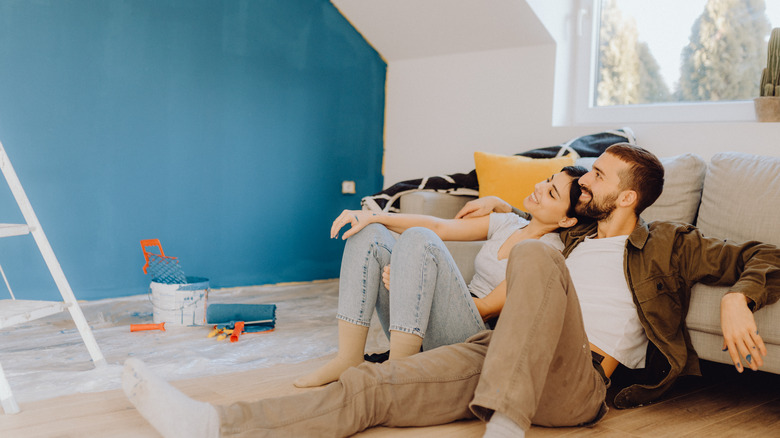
{"points": [[489, 271], [608, 309]]}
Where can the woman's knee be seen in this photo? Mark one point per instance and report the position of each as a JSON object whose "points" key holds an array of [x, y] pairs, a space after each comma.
{"points": [[369, 234], [418, 233], [417, 238]]}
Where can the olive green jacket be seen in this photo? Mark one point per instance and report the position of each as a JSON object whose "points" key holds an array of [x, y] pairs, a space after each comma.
{"points": [[662, 262]]}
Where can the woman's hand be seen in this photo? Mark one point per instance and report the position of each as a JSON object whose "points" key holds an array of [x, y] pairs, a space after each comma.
{"points": [[358, 219], [386, 277], [483, 207], [740, 334], [481, 308]]}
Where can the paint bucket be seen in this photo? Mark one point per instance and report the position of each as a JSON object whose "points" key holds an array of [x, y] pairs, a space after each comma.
{"points": [[180, 304]]}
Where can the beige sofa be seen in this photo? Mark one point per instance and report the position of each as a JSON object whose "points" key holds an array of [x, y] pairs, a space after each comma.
{"points": [[735, 196]]}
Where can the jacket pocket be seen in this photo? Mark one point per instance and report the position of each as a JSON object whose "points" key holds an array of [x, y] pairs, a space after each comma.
{"points": [[659, 300]]}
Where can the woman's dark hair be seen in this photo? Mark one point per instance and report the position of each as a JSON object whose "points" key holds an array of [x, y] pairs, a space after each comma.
{"points": [[574, 191]]}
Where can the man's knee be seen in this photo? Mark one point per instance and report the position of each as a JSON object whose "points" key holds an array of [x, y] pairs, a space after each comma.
{"points": [[533, 258], [533, 251]]}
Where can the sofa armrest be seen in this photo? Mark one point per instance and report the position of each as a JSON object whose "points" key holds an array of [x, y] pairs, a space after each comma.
{"points": [[441, 205], [464, 254], [445, 206]]}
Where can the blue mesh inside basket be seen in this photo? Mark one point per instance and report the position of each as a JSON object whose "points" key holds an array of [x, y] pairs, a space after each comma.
{"points": [[165, 269]]}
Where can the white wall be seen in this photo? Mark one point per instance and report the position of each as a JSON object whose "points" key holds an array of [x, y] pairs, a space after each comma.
{"points": [[441, 108]]}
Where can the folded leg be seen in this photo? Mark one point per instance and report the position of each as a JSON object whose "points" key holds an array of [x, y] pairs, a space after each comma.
{"points": [[538, 368], [429, 388]]}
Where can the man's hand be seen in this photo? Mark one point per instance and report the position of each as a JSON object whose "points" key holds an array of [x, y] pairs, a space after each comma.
{"points": [[358, 219], [740, 335], [483, 207]]}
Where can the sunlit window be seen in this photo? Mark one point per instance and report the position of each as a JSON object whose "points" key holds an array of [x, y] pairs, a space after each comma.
{"points": [[681, 51], [671, 54]]}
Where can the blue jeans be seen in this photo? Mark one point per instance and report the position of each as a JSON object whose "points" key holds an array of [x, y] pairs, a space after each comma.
{"points": [[428, 296]]}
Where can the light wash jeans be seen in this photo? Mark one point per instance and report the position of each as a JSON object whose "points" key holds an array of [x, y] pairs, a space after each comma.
{"points": [[427, 296]]}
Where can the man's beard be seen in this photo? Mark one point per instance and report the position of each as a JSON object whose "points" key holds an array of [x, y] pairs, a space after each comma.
{"points": [[599, 209]]}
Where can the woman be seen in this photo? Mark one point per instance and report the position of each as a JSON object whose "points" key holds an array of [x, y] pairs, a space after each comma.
{"points": [[430, 304]]}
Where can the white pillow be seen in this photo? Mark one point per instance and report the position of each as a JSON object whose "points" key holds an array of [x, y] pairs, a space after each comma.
{"points": [[741, 198], [683, 180]]}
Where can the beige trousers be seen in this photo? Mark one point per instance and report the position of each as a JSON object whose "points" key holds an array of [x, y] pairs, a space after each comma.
{"points": [[535, 367]]}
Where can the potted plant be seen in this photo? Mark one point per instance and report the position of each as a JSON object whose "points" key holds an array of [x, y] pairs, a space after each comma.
{"points": [[768, 104]]}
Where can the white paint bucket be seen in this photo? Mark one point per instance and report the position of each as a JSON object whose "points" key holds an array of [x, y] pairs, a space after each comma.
{"points": [[180, 304]]}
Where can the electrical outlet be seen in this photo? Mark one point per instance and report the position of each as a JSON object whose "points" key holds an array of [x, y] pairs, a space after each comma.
{"points": [[348, 187]]}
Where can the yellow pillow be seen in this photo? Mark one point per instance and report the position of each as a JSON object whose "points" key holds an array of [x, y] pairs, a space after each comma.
{"points": [[512, 178]]}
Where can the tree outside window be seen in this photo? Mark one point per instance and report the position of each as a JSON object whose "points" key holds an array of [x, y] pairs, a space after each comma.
{"points": [[721, 60]]}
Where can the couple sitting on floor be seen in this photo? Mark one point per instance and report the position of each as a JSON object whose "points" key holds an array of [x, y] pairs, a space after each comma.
{"points": [[549, 358]]}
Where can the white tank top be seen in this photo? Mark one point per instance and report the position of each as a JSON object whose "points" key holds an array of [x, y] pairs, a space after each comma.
{"points": [[489, 270]]}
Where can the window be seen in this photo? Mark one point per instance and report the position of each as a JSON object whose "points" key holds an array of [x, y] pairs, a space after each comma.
{"points": [[671, 60]]}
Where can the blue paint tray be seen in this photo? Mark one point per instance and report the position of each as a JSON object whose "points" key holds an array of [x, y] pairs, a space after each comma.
{"points": [[256, 317]]}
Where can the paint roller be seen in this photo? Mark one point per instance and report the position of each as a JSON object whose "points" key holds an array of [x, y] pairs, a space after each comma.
{"points": [[255, 317]]}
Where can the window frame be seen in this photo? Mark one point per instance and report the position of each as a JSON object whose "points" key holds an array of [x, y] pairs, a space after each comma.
{"points": [[586, 113]]}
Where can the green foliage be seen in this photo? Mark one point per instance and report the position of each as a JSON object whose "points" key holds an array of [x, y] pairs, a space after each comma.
{"points": [[652, 87], [628, 72], [722, 60], [725, 52]]}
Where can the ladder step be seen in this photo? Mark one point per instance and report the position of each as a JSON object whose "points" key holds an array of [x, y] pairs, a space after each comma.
{"points": [[14, 312], [8, 230]]}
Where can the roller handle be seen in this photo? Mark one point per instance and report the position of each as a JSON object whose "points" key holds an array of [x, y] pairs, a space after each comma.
{"points": [[237, 331], [142, 327]]}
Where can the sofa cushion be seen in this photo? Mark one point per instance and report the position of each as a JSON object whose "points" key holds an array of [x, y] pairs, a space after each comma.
{"points": [[704, 313], [512, 178], [740, 198], [683, 181], [437, 204], [703, 322]]}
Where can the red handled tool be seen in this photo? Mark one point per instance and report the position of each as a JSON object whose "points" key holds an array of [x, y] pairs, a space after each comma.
{"points": [[142, 327]]}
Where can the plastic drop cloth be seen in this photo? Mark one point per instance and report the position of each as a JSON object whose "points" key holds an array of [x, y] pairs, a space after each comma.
{"points": [[46, 358]]}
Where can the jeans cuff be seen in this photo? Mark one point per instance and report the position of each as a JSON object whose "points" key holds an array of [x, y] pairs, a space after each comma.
{"points": [[414, 331], [353, 321]]}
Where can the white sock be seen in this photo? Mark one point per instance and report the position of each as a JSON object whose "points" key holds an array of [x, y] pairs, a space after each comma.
{"points": [[171, 412], [500, 426]]}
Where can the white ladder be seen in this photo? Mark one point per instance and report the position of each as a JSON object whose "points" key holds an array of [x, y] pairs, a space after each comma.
{"points": [[15, 311]]}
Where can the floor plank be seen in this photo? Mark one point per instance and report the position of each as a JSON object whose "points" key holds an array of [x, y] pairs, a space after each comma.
{"points": [[722, 404]]}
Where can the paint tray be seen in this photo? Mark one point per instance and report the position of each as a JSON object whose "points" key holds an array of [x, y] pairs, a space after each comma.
{"points": [[164, 269], [256, 317]]}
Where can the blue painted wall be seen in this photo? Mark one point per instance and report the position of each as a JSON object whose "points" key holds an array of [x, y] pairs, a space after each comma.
{"points": [[222, 128]]}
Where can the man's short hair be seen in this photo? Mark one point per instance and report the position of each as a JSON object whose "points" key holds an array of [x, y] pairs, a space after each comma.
{"points": [[645, 174]]}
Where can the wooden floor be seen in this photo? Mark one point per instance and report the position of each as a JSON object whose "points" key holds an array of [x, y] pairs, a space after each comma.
{"points": [[721, 404]]}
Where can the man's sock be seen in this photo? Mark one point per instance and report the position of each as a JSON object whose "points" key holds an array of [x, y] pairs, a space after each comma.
{"points": [[500, 426], [171, 412], [352, 344], [404, 344]]}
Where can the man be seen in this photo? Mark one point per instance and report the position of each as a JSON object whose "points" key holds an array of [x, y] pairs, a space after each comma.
{"points": [[538, 366]]}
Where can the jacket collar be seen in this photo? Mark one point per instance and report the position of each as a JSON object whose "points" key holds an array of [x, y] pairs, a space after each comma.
{"points": [[641, 233], [638, 237]]}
